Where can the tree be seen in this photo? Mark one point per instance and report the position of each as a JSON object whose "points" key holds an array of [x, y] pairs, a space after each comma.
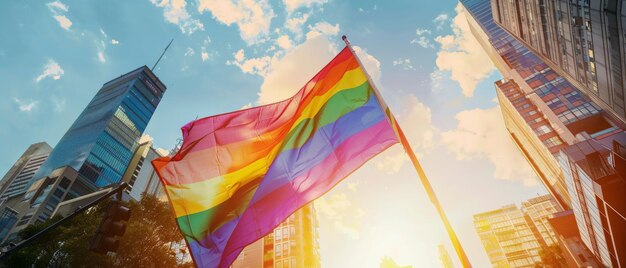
{"points": [[551, 257], [147, 242]]}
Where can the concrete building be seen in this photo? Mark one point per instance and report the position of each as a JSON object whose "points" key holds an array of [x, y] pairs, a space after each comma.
{"points": [[140, 175], [294, 243], [15, 181], [388, 262], [444, 257], [583, 41]]}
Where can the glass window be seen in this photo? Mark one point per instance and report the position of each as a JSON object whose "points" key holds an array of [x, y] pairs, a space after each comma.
{"points": [[278, 250], [277, 234]]}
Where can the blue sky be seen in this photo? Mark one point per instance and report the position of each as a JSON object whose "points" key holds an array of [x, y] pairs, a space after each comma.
{"points": [[226, 55]]}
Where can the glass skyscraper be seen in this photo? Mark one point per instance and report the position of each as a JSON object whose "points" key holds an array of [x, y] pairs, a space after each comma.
{"points": [[95, 152], [102, 140], [574, 146]]}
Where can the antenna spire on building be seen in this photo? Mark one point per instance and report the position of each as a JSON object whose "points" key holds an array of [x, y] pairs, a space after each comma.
{"points": [[165, 50]]}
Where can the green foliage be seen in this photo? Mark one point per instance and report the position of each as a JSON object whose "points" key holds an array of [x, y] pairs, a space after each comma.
{"points": [[146, 243]]}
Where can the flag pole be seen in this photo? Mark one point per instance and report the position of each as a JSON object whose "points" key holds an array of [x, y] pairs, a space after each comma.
{"points": [[418, 167]]}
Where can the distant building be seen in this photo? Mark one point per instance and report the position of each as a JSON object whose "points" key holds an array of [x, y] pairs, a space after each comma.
{"points": [[388, 262], [140, 175], [444, 257], [15, 181], [509, 237], [540, 209], [294, 243]]}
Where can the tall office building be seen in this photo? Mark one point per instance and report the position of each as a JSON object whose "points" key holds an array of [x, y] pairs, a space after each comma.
{"points": [[294, 243], [15, 181], [564, 136], [514, 237], [543, 111], [97, 149], [140, 175], [509, 238], [102, 140], [596, 171], [18, 177], [583, 41], [444, 257], [388, 262], [540, 209]]}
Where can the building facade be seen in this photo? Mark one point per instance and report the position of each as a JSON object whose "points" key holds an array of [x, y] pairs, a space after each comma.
{"points": [[15, 181], [551, 120], [294, 243], [583, 41], [444, 257], [95, 152], [140, 175], [509, 237], [540, 209], [102, 140], [595, 170], [543, 112]]}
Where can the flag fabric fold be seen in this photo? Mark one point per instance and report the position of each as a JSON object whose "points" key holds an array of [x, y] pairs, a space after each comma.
{"points": [[239, 175]]}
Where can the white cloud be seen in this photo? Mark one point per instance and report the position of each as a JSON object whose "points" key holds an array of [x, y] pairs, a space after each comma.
{"points": [[58, 10], [101, 57], [421, 31], [421, 38], [258, 66], [344, 214], [405, 64], [436, 78], [240, 55], [51, 69], [253, 17], [58, 103], [283, 79], [103, 33], [423, 42], [370, 63], [26, 106], [247, 106], [416, 119], [64, 22], [480, 133], [440, 20], [322, 28], [190, 52], [294, 24], [175, 12], [114, 42], [101, 48], [462, 55], [284, 42], [292, 5], [204, 55], [57, 6]]}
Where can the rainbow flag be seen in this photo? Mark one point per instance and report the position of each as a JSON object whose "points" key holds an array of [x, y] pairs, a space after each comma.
{"points": [[239, 175]]}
